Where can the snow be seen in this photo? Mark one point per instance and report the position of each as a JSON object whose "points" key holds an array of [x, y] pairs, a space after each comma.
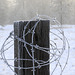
{"points": [[70, 68], [69, 33], [4, 32]]}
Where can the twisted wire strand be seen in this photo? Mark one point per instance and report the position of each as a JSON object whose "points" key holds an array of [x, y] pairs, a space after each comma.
{"points": [[55, 51]]}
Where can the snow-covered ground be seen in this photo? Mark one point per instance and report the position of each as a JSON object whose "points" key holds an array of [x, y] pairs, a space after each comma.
{"points": [[4, 32], [69, 33]]}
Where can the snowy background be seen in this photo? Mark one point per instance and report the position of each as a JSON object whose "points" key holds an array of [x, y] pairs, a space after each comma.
{"points": [[4, 32], [69, 33]]}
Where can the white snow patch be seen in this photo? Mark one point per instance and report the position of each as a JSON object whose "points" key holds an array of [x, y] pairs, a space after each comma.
{"points": [[69, 33]]}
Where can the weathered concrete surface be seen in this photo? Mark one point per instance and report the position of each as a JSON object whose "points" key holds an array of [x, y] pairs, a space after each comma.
{"points": [[12, 10]]}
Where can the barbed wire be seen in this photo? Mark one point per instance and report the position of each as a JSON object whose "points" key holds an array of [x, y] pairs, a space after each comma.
{"points": [[58, 46]]}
